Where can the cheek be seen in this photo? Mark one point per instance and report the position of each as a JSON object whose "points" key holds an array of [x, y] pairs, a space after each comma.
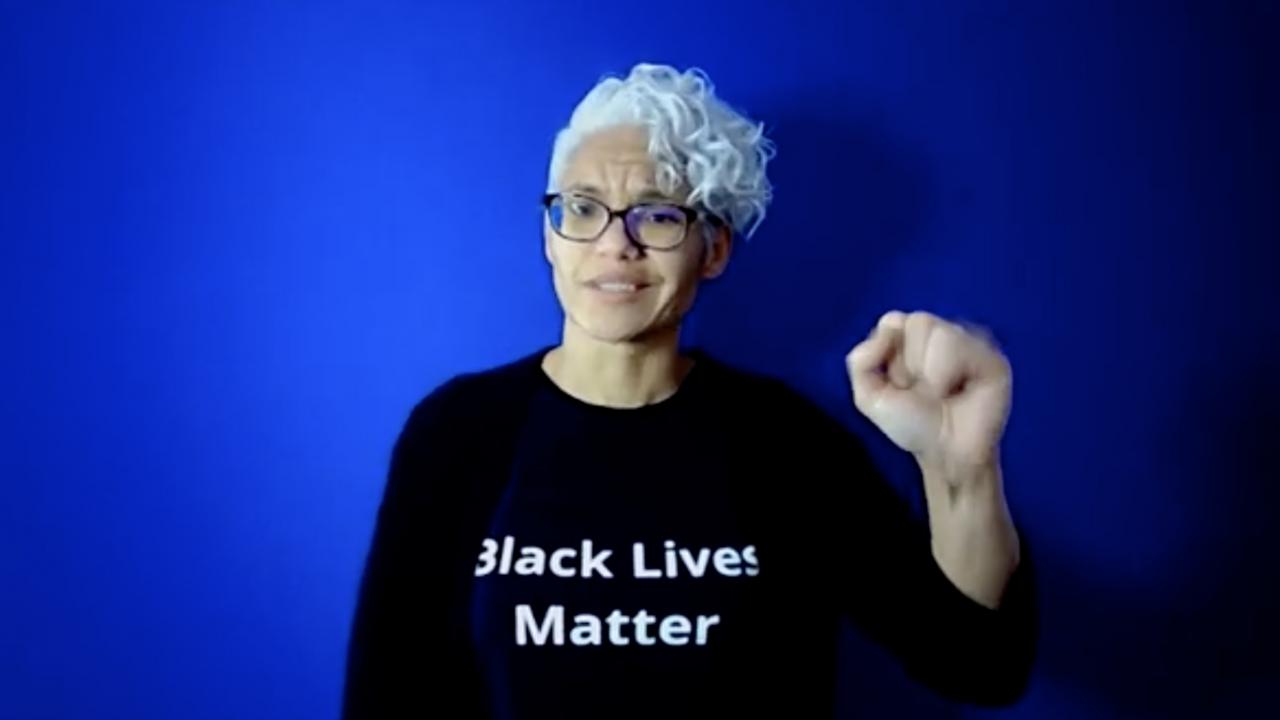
{"points": [[565, 260], [681, 274], [691, 260], [552, 250]]}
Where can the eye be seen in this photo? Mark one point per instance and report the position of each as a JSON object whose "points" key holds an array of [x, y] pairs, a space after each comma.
{"points": [[581, 208], [664, 215]]}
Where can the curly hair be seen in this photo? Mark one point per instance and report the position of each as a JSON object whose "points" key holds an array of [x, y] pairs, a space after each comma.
{"points": [[694, 137]]}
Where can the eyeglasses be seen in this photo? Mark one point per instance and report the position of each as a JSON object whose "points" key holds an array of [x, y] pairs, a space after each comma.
{"points": [[659, 226]]}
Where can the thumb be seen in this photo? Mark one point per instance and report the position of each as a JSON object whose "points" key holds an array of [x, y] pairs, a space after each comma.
{"points": [[866, 365]]}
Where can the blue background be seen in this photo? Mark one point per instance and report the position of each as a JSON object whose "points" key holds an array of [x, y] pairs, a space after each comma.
{"points": [[240, 240]]}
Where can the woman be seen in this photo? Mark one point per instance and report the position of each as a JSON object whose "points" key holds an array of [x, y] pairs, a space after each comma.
{"points": [[613, 528]]}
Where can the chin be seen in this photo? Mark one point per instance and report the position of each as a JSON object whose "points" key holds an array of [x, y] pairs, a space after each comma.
{"points": [[614, 330], [615, 333]]}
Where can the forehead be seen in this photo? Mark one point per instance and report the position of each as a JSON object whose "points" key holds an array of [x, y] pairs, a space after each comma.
{"points": [[612, 160], [624, 144]]}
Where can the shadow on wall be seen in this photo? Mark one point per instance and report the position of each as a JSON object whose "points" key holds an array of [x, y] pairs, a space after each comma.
{"points": [[848, 199], [1202, 643]]}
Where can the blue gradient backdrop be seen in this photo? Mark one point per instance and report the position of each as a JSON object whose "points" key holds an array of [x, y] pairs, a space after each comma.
{"points": [[239, 240]]}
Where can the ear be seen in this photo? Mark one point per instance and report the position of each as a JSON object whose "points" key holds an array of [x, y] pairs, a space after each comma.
{"points": [[546, 243], [716, 256]]}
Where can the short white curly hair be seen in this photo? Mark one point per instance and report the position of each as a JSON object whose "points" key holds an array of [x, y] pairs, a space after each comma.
{"points": [[694, 137]]}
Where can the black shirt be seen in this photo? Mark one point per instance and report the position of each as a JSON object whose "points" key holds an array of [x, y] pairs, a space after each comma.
{"points": [[689, 558]]}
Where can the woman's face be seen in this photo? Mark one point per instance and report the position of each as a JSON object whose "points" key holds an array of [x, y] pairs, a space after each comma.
{"points": [[613, 166]]}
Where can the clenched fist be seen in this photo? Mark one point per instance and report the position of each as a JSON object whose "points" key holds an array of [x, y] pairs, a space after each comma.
{"points": [[937, 389]]}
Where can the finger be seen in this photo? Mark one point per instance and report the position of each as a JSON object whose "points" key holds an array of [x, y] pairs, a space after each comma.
{"points": [[977, 330], [948, 359], [994, 362], [872, 353], [866, 364], [892, 324], [917, 328], [896, 364], [982, 353], [892, 319]]}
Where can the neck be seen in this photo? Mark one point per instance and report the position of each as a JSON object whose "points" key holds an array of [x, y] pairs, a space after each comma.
{"points": [[624, 374]]}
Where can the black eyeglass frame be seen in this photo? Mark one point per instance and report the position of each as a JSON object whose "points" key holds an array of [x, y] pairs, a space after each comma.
{"points": [[691, 215]]}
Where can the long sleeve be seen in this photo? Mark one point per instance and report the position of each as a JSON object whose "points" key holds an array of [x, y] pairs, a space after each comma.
{"points": [[401, 628], [893, 590]]}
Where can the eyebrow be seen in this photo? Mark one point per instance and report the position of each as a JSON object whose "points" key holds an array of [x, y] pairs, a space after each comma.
{"points": [[646, 194]]}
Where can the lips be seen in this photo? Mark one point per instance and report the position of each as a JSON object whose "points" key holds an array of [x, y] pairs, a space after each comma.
{"points": [[618, 282]]}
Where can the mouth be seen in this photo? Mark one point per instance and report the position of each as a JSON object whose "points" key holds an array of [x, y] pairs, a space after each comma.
{"points": [[617, 288]]}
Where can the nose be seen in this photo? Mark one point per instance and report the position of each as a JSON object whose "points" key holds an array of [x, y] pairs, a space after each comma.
{"points": [[614, 241]]}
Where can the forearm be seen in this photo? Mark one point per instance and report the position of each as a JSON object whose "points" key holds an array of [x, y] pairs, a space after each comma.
{"points": [[972, 534]]}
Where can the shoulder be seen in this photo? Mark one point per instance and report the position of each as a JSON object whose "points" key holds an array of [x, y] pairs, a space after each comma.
{"points": [[769, 410], [754, 393], [726, 376], [480, 392]]}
